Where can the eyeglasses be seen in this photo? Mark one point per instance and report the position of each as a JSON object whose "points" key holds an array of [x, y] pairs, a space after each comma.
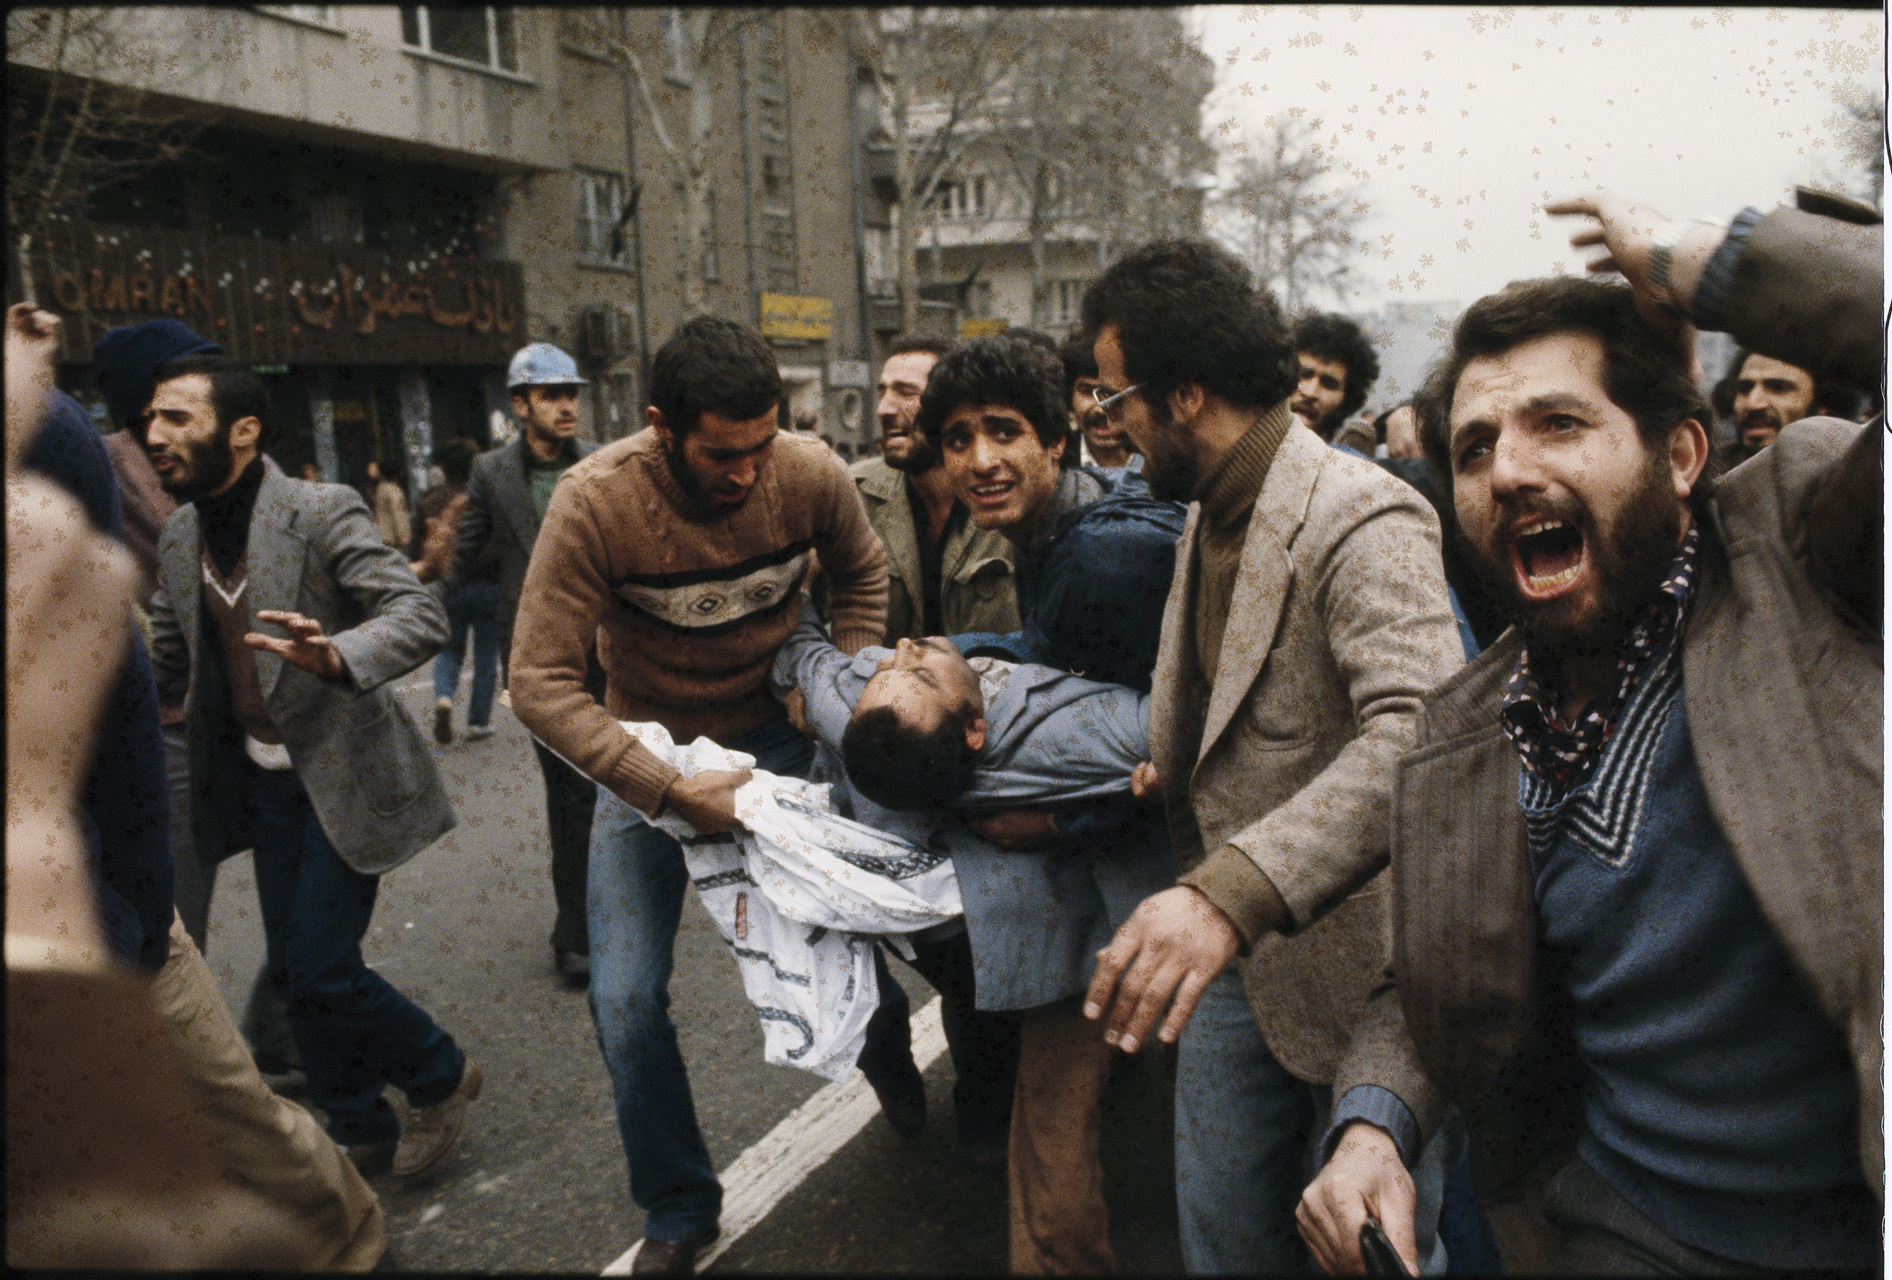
{"points": [[1111, 405]]}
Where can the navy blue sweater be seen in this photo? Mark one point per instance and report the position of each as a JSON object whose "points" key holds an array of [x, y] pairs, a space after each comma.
{"points": [[1719, 1100]]}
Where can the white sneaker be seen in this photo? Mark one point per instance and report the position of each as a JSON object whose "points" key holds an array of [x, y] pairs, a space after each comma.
{"points": [[477, 731]]}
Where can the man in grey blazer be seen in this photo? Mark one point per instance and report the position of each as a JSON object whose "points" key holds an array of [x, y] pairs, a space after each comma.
{"points": [[298, 749], [505, 501], [1307, 617]]}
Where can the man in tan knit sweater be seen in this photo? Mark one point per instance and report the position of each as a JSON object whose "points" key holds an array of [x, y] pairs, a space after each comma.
{"points": [[684, 550]]}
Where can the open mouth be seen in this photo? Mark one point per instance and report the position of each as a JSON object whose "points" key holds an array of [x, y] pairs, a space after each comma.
{"points": [[991, 495], [1549, 554]]}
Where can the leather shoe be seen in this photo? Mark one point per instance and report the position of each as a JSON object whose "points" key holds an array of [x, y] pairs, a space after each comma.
{"points": [[431, 1131], [372, 1158], [903, 1100], [573, 966], [670, 1257]]}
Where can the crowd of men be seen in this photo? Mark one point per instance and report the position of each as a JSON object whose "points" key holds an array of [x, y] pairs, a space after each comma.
{"points": [[1411, 773]]}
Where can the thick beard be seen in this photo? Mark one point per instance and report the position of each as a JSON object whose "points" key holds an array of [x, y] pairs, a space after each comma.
{"points": [[924, 457], [1632, 558], [212, 464], [1171, 475]]}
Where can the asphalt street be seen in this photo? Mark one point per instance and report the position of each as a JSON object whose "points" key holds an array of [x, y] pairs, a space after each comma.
{"points": [[538, 1181]]}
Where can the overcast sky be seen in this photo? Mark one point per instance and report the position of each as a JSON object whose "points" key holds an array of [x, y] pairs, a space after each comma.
{"points": [[1479, 114]]}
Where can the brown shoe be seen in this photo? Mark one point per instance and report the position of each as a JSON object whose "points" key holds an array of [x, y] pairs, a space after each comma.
{"points": [[430, 1132], [371, 1158], [443, 721], [670, 1257]]}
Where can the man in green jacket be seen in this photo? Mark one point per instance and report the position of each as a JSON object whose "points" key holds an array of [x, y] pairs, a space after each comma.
{"points": [[946, 576]]}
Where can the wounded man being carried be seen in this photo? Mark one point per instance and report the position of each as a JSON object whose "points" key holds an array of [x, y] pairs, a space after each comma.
{"points": [[927, 737]]}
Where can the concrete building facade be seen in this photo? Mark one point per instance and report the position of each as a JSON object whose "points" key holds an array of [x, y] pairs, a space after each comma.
{"points": [[385, 202]]}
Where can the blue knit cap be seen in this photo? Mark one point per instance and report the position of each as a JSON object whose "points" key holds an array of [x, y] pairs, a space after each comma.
{"points": [[125, 363]]}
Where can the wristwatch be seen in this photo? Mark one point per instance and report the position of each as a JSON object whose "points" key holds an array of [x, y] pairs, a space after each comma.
{"points": [[1662, 256]]}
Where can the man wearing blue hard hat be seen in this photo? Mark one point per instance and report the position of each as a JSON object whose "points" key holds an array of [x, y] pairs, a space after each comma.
{"points": [[505, 501]]}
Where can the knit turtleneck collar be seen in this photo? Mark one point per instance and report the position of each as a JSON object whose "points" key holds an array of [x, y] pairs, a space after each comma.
{"points": [[224, 518], [1228, 492]]}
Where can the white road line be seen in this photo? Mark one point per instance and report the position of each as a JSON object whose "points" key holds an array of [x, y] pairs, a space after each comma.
{"points": [[761, 1177]]}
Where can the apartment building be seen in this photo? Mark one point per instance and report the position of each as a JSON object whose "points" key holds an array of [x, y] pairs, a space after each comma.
{"points": [[383, 203]]}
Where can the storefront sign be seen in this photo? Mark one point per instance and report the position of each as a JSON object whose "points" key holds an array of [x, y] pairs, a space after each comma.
{"points": [[981, 328], [797, 318], [280, 303]]}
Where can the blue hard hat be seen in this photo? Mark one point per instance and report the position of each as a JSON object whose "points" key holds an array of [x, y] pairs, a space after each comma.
{"points": [[540, 365]]}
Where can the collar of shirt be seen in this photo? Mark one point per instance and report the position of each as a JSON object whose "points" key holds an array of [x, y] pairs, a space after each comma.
{"points": [[1564, 754]]}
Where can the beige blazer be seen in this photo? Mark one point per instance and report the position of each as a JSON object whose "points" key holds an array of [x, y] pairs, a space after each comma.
{"points": [[1339, 624]]}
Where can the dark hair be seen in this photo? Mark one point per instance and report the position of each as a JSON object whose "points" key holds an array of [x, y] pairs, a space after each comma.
{"points": [[1839, 400], [1333, 337], [455, 459], [1644, 374], [235, 391], [900, 768], [933, 344], [1188, 311], [1007, 369], [716, 366], [1080, 361]]}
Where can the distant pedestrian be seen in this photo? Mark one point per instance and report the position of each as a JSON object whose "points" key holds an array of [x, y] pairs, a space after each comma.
{"points": [[506, 497], [472, 605], [390, 506]]}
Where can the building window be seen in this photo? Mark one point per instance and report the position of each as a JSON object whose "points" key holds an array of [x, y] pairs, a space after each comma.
{"points": [[321, 14], [600, 204], [962, 198], [1067, 299], [979, 300], [482, 34]]}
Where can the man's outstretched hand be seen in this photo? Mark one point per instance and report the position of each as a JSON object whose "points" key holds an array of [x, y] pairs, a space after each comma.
{"points": [[306, 646], [707, 801], [1170, 949], [1365, 1179]]}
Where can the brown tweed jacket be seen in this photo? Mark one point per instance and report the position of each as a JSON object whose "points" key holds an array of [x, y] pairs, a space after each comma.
{"points": [[1785, 701], [1338, 625]]}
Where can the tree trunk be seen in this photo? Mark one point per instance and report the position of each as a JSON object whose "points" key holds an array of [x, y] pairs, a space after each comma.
{"points": [[907, 245]]}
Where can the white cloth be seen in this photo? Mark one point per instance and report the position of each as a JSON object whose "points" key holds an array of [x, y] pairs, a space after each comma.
{"points": [[799, 892]]}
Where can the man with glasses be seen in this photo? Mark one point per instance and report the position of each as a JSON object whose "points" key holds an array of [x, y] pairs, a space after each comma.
{"points": [[1307, 618], [1093, 568]]}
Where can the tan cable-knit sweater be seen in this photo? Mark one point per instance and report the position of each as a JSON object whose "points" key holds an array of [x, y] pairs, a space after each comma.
{"points": [[688, 607]]}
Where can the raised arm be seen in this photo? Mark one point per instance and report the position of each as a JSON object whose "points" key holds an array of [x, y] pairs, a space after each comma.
{"points": [[1793, 284]]}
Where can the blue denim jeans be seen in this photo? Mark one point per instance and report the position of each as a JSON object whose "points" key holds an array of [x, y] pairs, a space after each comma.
{"points": [[356, 1033], [634, 900], [474, 607], [1244, 1132]]}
